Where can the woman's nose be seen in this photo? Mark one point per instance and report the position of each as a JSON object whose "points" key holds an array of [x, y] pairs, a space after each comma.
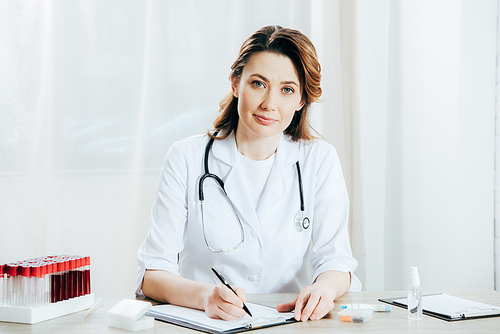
{"points": [[270, 101]]}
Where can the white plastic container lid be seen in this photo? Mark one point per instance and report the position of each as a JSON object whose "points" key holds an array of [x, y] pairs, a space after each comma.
{"points": [[129, 309]]}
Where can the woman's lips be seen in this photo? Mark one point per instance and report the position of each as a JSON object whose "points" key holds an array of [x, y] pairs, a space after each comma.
{"points": [[264, 120]]}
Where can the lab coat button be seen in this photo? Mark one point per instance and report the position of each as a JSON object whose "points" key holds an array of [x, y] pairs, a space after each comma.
{"points": [[252, 278], [254, 233]]}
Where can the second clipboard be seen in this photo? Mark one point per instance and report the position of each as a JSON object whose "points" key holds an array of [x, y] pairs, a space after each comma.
{"points": [[450, 308]]}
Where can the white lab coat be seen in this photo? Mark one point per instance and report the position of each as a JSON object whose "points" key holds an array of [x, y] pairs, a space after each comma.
{"points": [[274, 257]]}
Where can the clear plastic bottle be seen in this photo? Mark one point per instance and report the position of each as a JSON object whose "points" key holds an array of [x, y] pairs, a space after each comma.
{"points": [[414, 296]]}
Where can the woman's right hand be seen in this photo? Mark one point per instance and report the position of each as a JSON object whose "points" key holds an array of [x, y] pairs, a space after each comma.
{"points": [[222, 303]]}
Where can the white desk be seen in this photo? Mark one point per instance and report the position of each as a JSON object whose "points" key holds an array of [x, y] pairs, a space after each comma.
{"points": [[388, 322]]}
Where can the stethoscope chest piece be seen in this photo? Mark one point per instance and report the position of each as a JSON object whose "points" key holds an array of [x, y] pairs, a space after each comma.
{"points": [[301, 222]]}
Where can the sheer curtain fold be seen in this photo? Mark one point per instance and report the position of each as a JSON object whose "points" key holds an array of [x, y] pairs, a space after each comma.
{"points": [[426, 92], [93, 93]]}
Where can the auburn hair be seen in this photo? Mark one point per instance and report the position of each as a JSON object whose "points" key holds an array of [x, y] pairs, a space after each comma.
{"points": [[300, 50]]}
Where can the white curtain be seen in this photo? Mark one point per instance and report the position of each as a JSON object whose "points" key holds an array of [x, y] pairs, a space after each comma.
{"points": [[426, 132], [92, 95]]}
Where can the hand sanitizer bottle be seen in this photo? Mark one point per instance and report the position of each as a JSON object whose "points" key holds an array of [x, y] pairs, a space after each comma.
{"points": [[414, 296]]}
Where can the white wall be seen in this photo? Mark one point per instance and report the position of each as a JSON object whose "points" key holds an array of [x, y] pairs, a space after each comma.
{"points": [[426, 102]]}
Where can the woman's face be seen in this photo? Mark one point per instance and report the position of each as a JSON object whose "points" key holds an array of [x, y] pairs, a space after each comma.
{"points": [[268, 93]]}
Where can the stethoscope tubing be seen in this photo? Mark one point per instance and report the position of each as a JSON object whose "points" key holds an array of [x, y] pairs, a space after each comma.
{"points": [[304, 221]]}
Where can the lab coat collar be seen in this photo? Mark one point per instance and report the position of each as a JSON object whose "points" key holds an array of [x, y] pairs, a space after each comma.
{"points": [[288, 152], [225, 150], [236, 187]]}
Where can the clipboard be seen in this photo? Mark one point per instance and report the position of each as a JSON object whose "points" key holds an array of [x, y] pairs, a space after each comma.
{"points": [[263, 316], [449, 308]]}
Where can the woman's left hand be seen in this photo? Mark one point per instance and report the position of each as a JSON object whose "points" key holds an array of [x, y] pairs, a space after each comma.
{"points": [[315, 301]]}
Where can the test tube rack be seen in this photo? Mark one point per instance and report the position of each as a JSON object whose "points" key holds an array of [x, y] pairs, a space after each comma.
{"points": [[33, 315], [44, 288]]}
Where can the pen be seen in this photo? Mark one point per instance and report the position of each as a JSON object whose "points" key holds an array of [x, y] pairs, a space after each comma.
{"points": [[223, 280], [94, 307], [373, 307]]}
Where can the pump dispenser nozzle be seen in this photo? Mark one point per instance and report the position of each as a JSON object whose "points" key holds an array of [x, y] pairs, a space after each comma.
{"points": [[414, 278]]}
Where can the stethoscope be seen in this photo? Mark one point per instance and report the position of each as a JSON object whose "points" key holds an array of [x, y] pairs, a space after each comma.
{"points": [[301, 221]]}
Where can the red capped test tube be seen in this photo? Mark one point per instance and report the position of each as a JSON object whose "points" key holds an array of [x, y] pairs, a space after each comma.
{"points": [[3, 285], [38, 284], [25, 286], [65, 278], [81, 274], [12, 286], [87, 275]]}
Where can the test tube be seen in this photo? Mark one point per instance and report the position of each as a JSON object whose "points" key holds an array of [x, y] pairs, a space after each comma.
{"points": [[87, 275], [73, 280], [3, 281], [81, 273], [24, 290], [6, 297], [77, 276], [65, 290], [60, 278], [47, 270], [37, 287], [56, 282], [12, 284]]}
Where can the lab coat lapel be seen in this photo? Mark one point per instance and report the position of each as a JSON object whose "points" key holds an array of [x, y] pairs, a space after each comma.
{"points": [[235, 183], [276, 186]]}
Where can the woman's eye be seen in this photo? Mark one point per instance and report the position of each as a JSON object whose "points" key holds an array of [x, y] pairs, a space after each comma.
{"points": [[288, 90], [258, 84]]}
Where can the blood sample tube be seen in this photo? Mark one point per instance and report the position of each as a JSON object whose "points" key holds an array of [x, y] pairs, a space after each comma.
{"points": [[57, 279], [65, 277], [81, 274], [69, 277], [77, 277], [55, 284], [72, 277], [87, 275], [60, 277], [52, 279]]}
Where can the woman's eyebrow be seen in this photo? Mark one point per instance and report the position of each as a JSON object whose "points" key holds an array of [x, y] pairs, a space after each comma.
{"points": [[260, 76], [289, 83], [263, 78]]}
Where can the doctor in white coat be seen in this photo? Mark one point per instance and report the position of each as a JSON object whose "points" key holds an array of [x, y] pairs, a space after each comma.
{"points": [[283, 226]]}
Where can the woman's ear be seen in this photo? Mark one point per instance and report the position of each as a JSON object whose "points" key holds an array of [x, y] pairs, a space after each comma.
{"points": [[234, 86]]}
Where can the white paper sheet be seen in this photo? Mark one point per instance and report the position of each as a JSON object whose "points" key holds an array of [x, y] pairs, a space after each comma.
{"points": [[261, 315]]}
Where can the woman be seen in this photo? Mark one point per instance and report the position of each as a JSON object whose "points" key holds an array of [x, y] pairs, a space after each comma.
{"points": [[270, 232]]}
